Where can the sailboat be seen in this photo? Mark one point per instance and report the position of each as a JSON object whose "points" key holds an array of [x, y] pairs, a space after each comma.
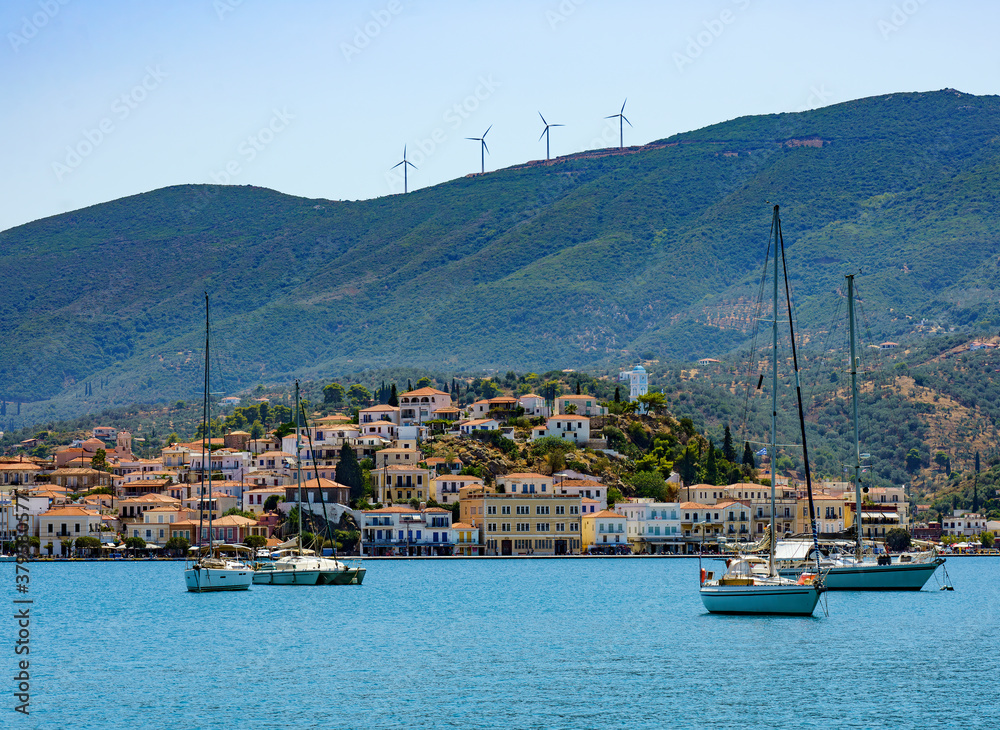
{"points": [[296, 565], [863, 571], [216, 566], [750, 584]]}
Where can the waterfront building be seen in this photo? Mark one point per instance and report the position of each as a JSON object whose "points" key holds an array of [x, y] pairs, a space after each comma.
{"points": [[963, 524], [700, 523], [378, 413], [589, 505], [467, 539], [829, 515], [68, 522], [602, 530], [80, 479], [524, 523], [156, 522], [401, 530], [652, 527]]}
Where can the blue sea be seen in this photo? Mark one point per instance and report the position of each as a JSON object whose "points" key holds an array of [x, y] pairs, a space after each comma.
{"points": [[578, 643]]}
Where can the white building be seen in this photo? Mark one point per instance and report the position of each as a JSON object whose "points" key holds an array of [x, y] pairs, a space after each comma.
{"points": [[653, 527], [399, 530], [478, 424], [534, 405], [571, 428], [963, 525], [638, 382], [583, 488], [603, 530]]}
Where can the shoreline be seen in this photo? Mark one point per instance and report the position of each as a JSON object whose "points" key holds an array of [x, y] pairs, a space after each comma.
{"points": [[711, 556]]}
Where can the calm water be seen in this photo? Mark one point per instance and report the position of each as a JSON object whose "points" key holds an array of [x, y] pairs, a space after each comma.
{"points": [[512, 644]]}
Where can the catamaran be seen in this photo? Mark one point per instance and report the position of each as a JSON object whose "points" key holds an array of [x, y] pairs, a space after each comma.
{"points": [[750, 584]]}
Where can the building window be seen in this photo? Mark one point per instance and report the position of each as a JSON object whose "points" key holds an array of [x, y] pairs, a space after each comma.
{"points": [[505, 509]]}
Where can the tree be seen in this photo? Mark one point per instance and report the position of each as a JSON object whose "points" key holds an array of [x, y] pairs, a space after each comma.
{"points": [[67, 546], [255, 541], [748, 459], [333, 394], [349, 472], [490, 389], [897, 539], [281, 414], [87, 542], [177, 546], [649, 484], [614, 496], [100, 460], [173, 438], [578, 390], [425, 382], [652, 402], [136, 543], [618, 394], [393, 397], [687, 465], [728, 452], [913, 460], [360, 395], [271, 503], [257, 430], [711, 466], [571, 409], [239, 513]]}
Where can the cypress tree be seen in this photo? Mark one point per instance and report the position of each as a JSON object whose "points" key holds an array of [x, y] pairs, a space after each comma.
{"points": [[618, 394], [349, 472], [728, 452], [393, 397], [748, 456], [711, 466], [578, 391]]}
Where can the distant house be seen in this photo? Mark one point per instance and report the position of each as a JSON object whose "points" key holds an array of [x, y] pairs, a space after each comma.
{"points": [[479, 424]]}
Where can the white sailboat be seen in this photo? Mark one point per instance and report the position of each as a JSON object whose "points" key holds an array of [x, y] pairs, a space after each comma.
{"points": [[295, 565], [751, 585], [216, 566], [863, 571]]}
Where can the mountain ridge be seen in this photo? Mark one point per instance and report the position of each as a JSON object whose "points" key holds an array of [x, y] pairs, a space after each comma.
{"points": [[596, 258]]}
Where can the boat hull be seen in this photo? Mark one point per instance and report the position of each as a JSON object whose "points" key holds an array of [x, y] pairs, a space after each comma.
{"points": [[873, 577], [210, 580], [761, 600], [286, 577]]}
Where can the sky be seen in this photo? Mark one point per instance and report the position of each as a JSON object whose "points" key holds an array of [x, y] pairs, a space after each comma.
{"points": [[318, 98]]}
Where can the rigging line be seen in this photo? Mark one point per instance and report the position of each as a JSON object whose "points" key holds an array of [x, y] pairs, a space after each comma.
{"points": [[798, 390], [755, 332], [319, 488], [826, 345]]}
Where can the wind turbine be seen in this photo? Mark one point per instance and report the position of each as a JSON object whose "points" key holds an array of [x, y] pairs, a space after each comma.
{"points": [[545, 133], [485, 149], [620, 116], [404, 163]]}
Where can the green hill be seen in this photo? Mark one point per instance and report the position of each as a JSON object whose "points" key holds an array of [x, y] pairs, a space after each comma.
{"points": [[591, 259]]}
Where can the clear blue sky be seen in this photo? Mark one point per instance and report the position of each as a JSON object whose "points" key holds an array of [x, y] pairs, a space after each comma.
{"points": [[107, 98]]}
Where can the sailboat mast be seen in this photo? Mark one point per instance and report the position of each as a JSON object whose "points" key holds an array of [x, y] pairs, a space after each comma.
{"points": [[298, 458], [857, 437], [206, 437], [774, 392]]}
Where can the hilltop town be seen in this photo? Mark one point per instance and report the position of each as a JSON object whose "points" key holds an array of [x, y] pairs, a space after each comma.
{"points": [[424, 474]]}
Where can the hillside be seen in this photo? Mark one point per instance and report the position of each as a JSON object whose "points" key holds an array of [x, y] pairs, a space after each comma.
{"points": [[591, 259]]}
